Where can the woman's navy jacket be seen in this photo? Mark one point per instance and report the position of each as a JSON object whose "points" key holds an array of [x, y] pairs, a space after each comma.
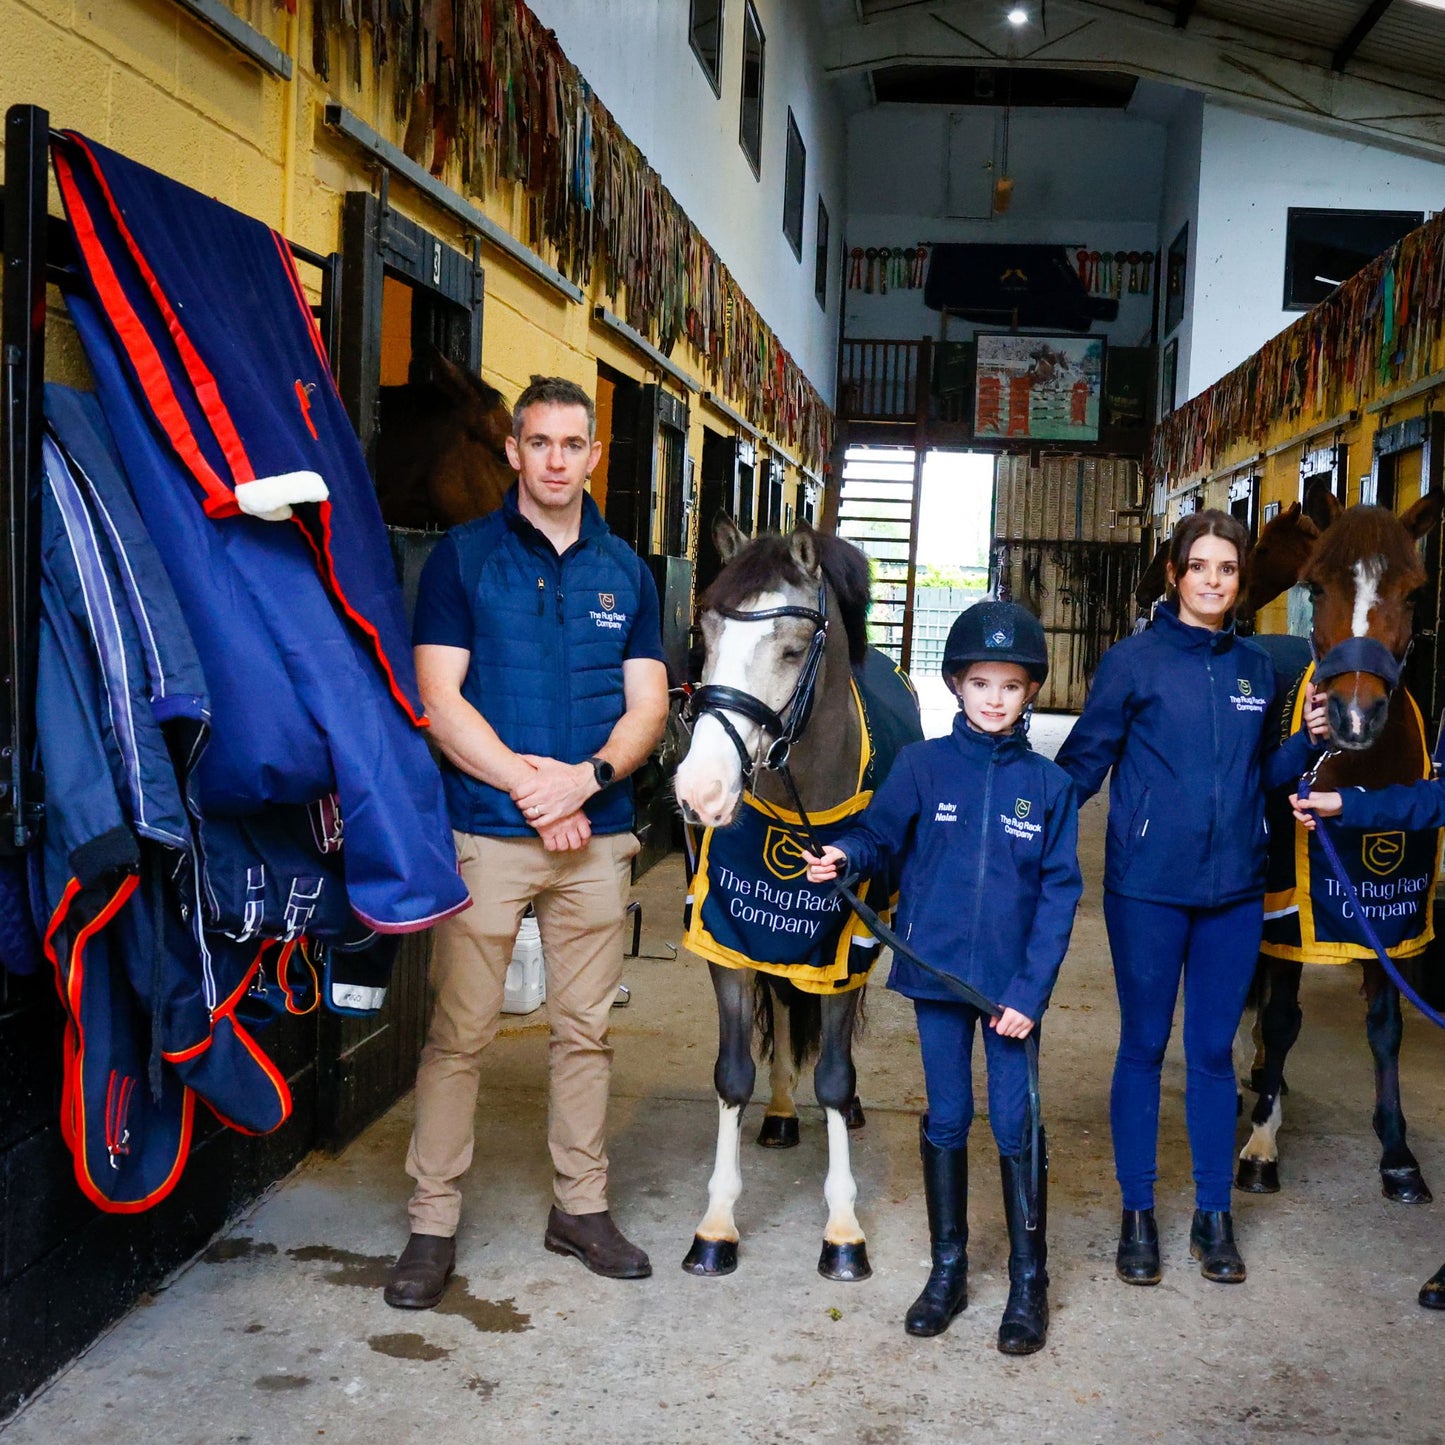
{"points": [[1178, 713], [548, 635], [985, 831]]}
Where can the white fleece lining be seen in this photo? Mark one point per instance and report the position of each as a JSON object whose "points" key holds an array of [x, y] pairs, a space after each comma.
{"points": [[271, 498]]}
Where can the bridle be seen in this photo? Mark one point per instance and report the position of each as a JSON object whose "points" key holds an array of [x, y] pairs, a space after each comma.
{"points": [[1358, 654], [784, 726]]}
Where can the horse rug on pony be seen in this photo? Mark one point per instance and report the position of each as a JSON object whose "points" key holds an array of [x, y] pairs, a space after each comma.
{"points": [[1307, 917], [750, 904]]}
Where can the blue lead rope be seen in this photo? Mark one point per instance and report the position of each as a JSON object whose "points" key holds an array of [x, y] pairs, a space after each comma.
{"points": [[1371, 938]]}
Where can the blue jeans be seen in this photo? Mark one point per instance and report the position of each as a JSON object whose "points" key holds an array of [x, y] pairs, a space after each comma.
{"points": [[945, 1030], [1215, 949]]}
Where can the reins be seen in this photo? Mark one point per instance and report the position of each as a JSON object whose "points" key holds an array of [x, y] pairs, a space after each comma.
{"points": [[711, 700]]}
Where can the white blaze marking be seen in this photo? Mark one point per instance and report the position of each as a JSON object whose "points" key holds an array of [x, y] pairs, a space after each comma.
{"points": [[711, 758], [1367, 593]]}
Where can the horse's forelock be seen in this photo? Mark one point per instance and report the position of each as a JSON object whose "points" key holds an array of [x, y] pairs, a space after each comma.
{"points": [[767, 561], [1362, 534]]}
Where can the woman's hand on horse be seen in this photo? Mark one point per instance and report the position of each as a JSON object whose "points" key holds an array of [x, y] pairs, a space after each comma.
{"points": [[1316, 723], [1012, 1024], [823, 867], [1327, 805], [553, 790]]}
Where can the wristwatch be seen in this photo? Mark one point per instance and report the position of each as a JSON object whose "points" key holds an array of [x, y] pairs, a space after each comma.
{"points": [[603, 771]]}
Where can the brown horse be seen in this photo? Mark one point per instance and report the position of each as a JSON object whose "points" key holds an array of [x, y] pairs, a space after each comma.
{"points": [[441, 455], [1363, 573]]}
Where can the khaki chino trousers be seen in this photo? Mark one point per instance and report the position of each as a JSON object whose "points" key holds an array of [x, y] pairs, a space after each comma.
{"points": [[580, 898]]}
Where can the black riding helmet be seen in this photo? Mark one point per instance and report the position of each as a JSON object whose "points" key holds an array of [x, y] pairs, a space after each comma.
{"points": [[997, 632]]}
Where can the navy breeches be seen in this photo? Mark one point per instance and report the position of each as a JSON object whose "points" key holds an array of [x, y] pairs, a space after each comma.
{"points": [[946, 1032], [1215, 950]]}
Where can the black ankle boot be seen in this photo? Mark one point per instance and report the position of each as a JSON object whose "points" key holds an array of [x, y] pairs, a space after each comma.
{"points": [[1211, 1242], [945, 1183], [1432, 1292], [1138, 1259], [1025, 1324]]}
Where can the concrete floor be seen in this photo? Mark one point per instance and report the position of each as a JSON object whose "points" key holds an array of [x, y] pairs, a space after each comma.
{"points": [[279, 1334]]}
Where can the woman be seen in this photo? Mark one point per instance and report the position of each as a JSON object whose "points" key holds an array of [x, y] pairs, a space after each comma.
{"points": [[1178, 714]]}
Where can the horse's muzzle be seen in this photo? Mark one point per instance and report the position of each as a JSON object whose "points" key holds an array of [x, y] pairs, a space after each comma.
{"points": [[1355, 724]]}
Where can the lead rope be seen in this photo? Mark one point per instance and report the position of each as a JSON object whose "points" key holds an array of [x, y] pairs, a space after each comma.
{"points": [[1371, 938], [1028, 1194]]}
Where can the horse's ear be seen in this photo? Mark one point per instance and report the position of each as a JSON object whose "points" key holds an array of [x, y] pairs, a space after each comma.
{"points": [[727, 536], [1297, 518], [1321, 506], [1425, 514], [803, 545]]}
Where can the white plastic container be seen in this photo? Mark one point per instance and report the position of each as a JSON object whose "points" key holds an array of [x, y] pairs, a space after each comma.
{"points": [[526, 986]]}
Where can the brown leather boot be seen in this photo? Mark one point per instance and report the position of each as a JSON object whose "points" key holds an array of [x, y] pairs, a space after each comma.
{"points": [[597, 1242], [419, 1277]]}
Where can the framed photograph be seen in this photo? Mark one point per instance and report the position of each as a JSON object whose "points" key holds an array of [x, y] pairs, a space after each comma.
{"points": [[1169, 378], [1176, 275], [1038, 388]]}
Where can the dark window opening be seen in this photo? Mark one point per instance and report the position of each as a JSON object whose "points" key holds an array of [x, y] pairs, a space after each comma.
{"points": [[795, 176], [1324, 248], [750, 130], [820, 257], [705, 31]]}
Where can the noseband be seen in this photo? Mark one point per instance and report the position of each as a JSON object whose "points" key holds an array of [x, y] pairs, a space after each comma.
{"points": [[785, 727], [1358, 654]]}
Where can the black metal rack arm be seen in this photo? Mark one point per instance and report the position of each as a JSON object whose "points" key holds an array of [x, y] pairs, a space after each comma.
{"points": [[22, 378]]}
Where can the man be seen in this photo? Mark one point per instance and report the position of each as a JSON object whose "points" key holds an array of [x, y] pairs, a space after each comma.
{"points": [[539, 654]]}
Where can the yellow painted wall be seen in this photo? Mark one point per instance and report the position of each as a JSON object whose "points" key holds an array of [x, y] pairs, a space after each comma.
{"points": [[148, 79]]}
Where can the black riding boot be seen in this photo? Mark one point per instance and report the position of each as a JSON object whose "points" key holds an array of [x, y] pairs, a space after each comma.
{"points": [[945, 1183], [1025, 1323], [1432, 1292], [1211, 1242], [1138, 1259]]}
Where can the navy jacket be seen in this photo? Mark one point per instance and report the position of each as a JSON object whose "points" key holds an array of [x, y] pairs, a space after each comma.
{"points": [[986, 833], [1413, 807], [548, 635], [1178, 713]]}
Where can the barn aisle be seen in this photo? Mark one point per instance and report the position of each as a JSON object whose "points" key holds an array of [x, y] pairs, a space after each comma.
{"points": [[278, 1332]]}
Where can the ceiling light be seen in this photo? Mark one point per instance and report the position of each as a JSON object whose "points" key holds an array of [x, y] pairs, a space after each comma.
{"points": [[1018, 16]]}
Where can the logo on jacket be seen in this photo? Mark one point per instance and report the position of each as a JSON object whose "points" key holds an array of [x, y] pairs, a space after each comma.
{"points": [[783, 854], [1383, 852], [1001, 636], [1244, 686], [1022, 807], [608, 600], [1245, 699]]}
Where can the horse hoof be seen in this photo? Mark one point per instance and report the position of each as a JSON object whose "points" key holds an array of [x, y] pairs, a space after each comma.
{"points": [[779, 1131], [853, 1115], [846, 1263], [711, 1257], [1405, 1186], [1258, 1176]]}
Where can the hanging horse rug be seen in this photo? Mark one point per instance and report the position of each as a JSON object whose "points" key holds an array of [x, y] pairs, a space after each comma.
{"points": [[1307, 917], [242, 812], [750, 904]]}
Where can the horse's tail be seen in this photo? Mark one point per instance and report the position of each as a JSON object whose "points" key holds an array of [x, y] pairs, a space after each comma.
{"points": [[805, 1017]]}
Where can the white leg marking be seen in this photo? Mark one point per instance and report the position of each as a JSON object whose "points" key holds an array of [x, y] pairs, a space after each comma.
{"points": [[839, 1188], [726, 1183], [1367, 593], [1263, 1141]]}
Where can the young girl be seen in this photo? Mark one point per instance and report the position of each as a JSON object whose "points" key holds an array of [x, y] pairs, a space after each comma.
{"points": [[1177, 714], [985, 831]]}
